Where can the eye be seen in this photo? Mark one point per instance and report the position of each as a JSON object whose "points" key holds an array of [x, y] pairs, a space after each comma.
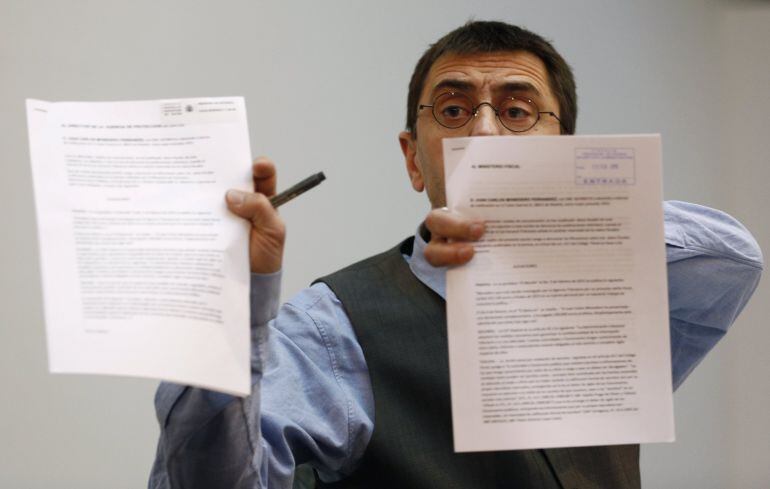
{"points": [[516, 113], [452, 109], [454, 112]]}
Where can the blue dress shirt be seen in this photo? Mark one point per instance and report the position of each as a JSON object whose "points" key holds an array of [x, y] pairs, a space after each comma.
{"points": [[312, 401]]}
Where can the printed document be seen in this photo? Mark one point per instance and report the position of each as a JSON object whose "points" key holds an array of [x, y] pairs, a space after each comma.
{"points": [[558, 327], [145, 272]]}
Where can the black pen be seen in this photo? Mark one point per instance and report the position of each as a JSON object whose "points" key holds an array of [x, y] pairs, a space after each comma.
{"points": [[295, 190]]}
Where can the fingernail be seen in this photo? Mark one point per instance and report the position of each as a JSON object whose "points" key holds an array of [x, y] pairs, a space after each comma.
{"points": [[477, 230], [234, 197]]}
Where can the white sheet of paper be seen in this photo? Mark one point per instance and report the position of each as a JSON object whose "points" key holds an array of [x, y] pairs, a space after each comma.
{"points": [[145, 272], [558, 327]]}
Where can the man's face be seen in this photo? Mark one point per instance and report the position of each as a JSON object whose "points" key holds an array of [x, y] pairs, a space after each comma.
{"points": [[484, 78]]}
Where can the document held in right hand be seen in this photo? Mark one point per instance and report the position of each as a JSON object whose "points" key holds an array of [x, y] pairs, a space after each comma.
{"points": [[558, 327]]}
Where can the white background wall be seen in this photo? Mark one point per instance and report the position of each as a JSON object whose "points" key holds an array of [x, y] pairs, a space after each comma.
{"points": [[325, 84]]}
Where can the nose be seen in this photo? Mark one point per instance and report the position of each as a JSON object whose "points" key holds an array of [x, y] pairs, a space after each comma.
{"points": [[485, 122]]}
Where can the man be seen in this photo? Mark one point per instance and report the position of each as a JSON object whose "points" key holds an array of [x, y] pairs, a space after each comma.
{"points": [[351, 376]]}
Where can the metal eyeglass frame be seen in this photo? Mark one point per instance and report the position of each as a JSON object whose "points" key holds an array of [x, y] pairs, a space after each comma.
{"points": [[475, 111]]}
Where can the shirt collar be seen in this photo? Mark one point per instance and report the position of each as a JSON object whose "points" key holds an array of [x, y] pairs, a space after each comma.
{"points": [[433, 277]]}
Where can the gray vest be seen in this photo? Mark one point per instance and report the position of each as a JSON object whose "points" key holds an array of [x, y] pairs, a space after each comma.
{"points": [[401, 326]]}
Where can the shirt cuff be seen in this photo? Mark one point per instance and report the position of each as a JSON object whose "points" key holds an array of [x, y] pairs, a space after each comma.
{"points": [[265, 297], [706, 231]]}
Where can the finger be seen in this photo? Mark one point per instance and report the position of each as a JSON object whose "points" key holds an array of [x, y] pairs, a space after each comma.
{"points": [[264, 175], [254, 207], [444, 224], [441, 254]]}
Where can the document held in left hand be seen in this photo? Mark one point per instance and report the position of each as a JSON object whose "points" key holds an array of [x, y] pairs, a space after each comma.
{"points": [[558, 327], [145, 272]]}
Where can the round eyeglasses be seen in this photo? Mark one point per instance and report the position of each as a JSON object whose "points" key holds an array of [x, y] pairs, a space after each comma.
{"points": [[453, 110]]}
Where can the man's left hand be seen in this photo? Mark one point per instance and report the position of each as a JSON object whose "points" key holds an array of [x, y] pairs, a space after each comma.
{"points": [[452, 237]]}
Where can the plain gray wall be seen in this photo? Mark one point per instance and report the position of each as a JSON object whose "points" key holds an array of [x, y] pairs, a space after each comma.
{"points": [[325, 84]]}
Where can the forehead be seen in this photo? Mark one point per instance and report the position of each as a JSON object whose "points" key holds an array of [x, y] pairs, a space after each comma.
{"points": [[486, 71]]}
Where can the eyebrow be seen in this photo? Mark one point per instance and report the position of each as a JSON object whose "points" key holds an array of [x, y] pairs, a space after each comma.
{"points": [[453, 84], [519, 86], [512, 86]]}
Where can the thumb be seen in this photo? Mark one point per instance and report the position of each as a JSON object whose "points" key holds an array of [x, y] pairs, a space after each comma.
{"points": [[254, 207]]}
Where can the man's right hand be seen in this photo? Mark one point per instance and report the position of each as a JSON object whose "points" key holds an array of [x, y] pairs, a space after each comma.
{"points": [[268, 231]]}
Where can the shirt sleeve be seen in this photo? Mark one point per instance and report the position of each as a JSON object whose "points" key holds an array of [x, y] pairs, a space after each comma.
{"points": [[311, 402], [714, 266]]}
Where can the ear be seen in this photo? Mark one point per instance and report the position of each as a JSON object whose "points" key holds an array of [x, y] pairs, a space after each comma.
{"points": [[409, 148]]}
